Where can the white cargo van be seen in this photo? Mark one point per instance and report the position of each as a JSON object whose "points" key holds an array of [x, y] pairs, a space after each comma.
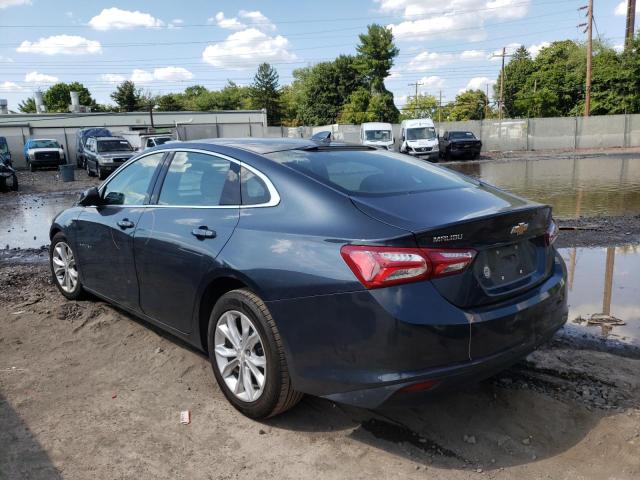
{"points": [[418, 138], [377, 134]]}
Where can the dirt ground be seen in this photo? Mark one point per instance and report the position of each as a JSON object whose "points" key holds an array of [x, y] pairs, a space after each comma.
{"points": [[87, 391]]}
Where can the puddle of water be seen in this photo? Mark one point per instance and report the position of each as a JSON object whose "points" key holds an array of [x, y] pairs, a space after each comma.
{"points": [[25, 221], [604, 281], [596, 186]]}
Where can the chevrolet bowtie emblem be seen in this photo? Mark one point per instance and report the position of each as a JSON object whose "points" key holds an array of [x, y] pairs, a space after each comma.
{"points": [[519, 229]]}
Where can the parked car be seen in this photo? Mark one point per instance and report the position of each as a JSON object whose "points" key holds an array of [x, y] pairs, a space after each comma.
{"points": [[140, 140], [102, 155], [4, 151], [43, 152], [377, 134], [81, 139], [459, 144], [8, 177], [346, 272], [418, 138]]}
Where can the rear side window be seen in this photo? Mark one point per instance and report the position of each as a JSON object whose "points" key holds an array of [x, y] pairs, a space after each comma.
{"points": [[200, 180], [131, 185], [369, 172], [253, 189]]}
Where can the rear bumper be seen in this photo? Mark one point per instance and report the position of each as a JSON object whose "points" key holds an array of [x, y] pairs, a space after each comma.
{"points": [[361, 348]]}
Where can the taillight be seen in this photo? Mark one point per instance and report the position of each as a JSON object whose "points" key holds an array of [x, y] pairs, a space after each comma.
{"points": [[377, 267], [551, 234]]}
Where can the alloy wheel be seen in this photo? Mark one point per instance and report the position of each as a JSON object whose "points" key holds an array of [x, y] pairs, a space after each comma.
{"points": [[240, 355], [64, 267]]}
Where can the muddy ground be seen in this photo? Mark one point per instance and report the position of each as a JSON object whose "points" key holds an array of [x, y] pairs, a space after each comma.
{"points": [[87, 391]]}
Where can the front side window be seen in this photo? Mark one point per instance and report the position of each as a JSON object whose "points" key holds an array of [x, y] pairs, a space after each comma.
{"points": [[200, 180], [131, 185]]}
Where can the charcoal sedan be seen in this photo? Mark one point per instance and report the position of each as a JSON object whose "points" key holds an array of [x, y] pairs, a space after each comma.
{"points": [[346, 272]]}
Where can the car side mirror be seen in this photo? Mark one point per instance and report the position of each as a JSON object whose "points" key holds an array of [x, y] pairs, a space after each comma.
{"points": [[61, 147], [90, 198]]}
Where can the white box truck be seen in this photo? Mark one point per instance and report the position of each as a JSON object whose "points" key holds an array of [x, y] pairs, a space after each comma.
{"points": [[418, 138], [377, 134]]}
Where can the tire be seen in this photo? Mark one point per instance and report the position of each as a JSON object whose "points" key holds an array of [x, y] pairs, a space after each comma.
{"points": [[14, 185], [71, 290], [89, 172], [277, 394], [100, 173], [79, 161], [32, 167]]}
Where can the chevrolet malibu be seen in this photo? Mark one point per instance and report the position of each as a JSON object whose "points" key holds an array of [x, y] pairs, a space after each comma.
{"points": [[346, 272]]}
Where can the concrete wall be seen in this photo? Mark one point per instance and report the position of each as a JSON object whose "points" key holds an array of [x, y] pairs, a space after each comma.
{"points": [[191, 126]]}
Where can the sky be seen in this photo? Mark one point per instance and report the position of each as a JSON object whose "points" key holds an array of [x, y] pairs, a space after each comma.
{"points": [[164, 46]]}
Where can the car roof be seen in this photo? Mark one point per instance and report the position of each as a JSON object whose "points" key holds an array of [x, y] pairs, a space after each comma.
{"points": [[110, 138], [376, 125], [266, 145]]}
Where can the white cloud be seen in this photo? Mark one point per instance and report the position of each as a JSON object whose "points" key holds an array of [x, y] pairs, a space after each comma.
{"points": [[176, 23], [117, 19], [454, 18], [10, 87], [228, 23], [161, 74], [13, 3], [113, 78], [393, 74], [479, 83], [473, 55], [621, 9], [6, 59], [61, 45], [172, 74], [534, 49], [247, 48], [509, 49], [257, 19], [429, 60], [433, 81], [618, 47], [36, 77]]}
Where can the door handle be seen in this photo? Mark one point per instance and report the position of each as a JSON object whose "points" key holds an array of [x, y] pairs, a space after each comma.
{"points": [[203, 232], [125, 223]]}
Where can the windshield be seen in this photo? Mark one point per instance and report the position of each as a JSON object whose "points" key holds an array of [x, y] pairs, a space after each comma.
{"points": [[162, 140], [421, 133], [115, 145], [44, 144], [369, 173], [462, 135], [377, 135]]}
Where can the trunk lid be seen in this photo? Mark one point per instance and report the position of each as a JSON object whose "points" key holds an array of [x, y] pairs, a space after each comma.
{"points": [[506, 231]]}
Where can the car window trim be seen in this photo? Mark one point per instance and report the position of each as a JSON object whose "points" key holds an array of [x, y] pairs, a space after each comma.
{"points": [[162, 170], [274, 196]]}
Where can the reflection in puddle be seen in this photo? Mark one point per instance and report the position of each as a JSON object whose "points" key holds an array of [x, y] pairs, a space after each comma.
{"points": [[595, 186], [604, 292], [25, 220]]}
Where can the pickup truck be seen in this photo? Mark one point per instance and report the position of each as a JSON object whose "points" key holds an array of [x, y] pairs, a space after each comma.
{"points": [[43, 152], [459, 144]]}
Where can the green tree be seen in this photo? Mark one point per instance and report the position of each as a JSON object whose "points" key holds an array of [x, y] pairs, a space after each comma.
{"points": [[28, 105], [171, 102], [376, 52], [517, 73], [128, 97], [468, 105], [365, 107], [57, 98], [424, 106], [265, 93]]}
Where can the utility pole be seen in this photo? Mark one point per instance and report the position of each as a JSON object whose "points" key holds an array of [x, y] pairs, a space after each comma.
{"points": [[631, 18], [486, 102], [589, 31], [415, 110], [501, 101], [440, 108]]}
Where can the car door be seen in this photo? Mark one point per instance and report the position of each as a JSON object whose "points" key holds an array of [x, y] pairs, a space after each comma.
{"points": [[179, 237], [105, 233]]}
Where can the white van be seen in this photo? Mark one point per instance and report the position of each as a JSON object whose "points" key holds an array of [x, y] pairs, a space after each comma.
{"points": [[418, 138], [377, 134]]}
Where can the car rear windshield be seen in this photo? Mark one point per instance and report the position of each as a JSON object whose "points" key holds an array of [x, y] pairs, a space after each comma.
{"points": [[462, 135], [115, 145], [370, 172], [44, 144]]}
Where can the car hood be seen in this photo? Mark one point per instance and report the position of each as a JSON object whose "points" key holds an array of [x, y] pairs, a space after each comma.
{"points": [[34, 150], [116, 154]]}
